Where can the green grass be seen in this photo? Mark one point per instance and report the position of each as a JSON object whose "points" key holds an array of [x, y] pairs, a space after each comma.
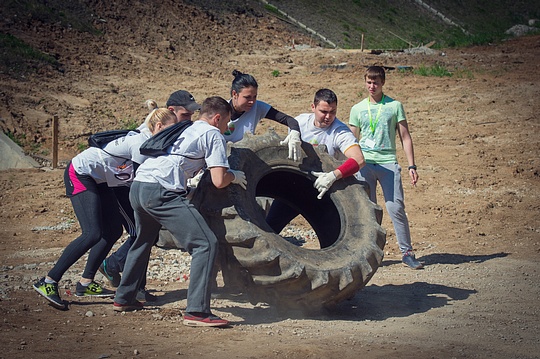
{"points": [[17, 139], [130, 124], [17, 57], [272, 9], [68, 13], [434, 71], [400, 24], [463, 74], [81, 147]]}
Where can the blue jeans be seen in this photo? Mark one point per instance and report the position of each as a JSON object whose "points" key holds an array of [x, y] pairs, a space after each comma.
{"points": [[154, 207], [389, 177]]}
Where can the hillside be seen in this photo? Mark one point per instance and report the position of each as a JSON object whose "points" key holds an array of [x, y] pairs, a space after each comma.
{"points": [[399, 24], [98, 61], [63, 42], [107, 58]]}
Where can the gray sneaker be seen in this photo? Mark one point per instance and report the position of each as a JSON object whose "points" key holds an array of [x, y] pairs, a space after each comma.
{"points": [[409, 259], [144, 296]]}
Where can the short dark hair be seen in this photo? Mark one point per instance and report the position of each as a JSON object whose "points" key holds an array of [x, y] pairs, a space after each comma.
{"points": [[215, 105], [242, 81], [373, 72], [325, 95]]}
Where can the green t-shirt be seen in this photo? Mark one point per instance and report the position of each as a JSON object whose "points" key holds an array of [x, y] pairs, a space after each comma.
{"points": [[377, 124]]}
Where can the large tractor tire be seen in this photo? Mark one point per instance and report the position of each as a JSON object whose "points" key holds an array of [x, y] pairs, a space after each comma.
{"points": [[266, 266]]}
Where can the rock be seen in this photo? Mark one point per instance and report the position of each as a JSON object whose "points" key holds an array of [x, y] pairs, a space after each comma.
{"points": [[520, 30]]}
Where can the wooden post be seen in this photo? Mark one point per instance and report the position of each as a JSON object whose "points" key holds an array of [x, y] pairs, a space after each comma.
{"points": [[55, 142], [362, 44]]}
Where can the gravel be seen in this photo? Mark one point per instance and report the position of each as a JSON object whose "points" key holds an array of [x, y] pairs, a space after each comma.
{"points": [[165, 265]]}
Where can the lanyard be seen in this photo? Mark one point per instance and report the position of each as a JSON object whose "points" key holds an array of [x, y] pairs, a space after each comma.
{"points": [[371, 124]]}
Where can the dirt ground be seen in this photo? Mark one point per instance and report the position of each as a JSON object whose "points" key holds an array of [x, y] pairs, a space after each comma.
{"points": [[474, 213]]}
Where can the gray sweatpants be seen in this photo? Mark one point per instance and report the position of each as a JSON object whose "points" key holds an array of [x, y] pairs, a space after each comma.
{"points": [[389, 176], [154, 206]]}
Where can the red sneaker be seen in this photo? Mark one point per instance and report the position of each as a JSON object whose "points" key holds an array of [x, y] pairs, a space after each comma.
{"points": [[204, 320]]}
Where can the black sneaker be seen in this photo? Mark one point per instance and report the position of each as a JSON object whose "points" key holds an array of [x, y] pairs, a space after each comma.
{"points": [[409, 259], [144, 296], [49, 291], [112, 276], [92, 290]]}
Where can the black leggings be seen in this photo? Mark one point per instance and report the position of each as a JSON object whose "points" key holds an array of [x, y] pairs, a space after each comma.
{"points": [[96, 208]]}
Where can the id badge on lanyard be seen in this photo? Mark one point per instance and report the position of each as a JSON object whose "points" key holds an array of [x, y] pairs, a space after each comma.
{"points": [[369, 142]]}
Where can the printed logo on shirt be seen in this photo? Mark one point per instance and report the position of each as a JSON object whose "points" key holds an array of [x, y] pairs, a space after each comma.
{"points": [[122, 176], [123, 172], [230, 129]]}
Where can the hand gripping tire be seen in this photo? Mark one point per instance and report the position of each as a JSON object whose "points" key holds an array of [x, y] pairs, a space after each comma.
{"points": [[269, 268]]}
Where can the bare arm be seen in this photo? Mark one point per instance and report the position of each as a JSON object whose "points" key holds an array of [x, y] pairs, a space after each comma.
{"points": [[407, 143], [221, 177], [356, 131]]}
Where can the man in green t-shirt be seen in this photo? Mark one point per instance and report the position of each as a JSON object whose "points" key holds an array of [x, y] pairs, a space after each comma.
{"points": [[378, 118]]}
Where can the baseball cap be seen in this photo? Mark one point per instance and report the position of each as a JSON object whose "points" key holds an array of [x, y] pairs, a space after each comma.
{"points": [[184, 99]]}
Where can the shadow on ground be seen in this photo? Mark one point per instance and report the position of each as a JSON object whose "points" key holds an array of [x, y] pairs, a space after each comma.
{"points": [[450, 258], [376, 303]]}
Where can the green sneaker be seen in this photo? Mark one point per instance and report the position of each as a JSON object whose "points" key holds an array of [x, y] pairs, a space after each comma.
{"points": [[112, 276], [49, 291], [93, 290]]}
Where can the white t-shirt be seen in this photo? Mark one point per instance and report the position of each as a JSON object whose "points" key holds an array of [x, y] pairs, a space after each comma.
{"points": [[247, 122], [199, 144], [337, 137], [114, 163]]}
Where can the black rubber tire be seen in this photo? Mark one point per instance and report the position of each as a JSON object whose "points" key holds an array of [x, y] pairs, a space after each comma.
{"points": [[270, 268]]}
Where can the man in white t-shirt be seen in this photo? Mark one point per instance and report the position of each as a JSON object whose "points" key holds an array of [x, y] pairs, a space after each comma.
{"points": [[158, 196], [183, 105], [321, 127]]}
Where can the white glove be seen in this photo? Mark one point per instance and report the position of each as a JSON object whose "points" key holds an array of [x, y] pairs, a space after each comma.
{"points": [[194, 181], [192, 184], [323, 182], [295, 145], [239, 178]]}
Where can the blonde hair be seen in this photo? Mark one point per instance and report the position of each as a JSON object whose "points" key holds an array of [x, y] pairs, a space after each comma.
{"points": [[163, 115]]}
